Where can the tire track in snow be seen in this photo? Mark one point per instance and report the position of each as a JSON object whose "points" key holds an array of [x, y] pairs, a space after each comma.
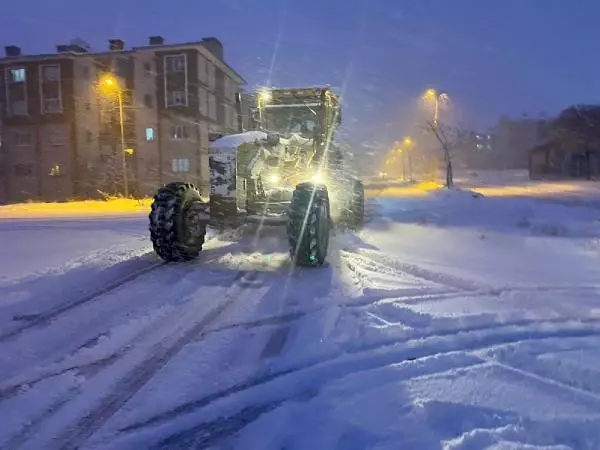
{"points": [[392, 266], [533, 362], [43, 318], [346, 362], [543, 379], [210, 433], [136, 367], [8, 390]]}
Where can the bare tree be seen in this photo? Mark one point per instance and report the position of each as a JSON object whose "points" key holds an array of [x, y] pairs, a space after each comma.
{"points": [[444, 135]]}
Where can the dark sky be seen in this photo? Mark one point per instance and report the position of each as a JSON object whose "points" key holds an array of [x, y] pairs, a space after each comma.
{"points": [[492, 56]]}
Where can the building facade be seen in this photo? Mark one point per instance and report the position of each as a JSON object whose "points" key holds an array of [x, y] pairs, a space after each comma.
{"points": [[61, 131], [515, 137]]}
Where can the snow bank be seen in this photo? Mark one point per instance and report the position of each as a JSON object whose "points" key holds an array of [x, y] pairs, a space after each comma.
{"points": [[95, 208], [455, 194], [469, 208]]}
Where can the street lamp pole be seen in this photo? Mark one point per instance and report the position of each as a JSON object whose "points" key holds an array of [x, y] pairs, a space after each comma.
{"points": [[122, 126], [408, 143], [110, 83], [436, 111]]}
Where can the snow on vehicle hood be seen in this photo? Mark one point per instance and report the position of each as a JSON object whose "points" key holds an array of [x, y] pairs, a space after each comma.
{"points": [[235, 140]]}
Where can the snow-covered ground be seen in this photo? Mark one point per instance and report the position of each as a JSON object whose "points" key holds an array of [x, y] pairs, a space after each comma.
{"points": [[450, 321]]}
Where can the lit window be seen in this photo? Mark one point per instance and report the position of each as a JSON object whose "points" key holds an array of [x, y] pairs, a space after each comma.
{"points": [[17, 75], [149, 134], [55, 170], [180, 165], [479, 146]]}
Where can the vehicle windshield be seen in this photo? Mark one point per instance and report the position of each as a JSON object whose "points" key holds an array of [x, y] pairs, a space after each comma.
{"points": [[288, 120]]}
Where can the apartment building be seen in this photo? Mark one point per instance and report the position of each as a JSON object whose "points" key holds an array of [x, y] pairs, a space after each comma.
{"points": [[62, 135]]}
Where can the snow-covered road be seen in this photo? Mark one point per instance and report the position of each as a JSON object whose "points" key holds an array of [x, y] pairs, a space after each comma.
{"points": [[449, 321]]}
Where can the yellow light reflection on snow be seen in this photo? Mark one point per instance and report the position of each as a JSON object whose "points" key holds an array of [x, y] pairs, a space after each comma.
{"points": [[532, 190]]}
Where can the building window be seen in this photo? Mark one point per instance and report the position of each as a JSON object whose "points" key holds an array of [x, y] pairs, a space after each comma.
{"points": [[56, 138], [147, 68], [19, 108], [88, 106], [179, 132], [123, 67], [50, 72], [212, 106], [17, 75], [175, 63], [88, 136], [55, 171], [150, 134], [203, 101], [180, 165], [85, 72], [210, 69], [23, 138], [51, 105], [23, 170], [148, 100], [176, 98]]}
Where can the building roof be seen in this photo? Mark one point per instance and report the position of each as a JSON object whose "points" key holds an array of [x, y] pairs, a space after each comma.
{"points": [[132, 50]]}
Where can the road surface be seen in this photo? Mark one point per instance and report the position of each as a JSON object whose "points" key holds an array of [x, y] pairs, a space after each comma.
{"points": [[450, 321]]}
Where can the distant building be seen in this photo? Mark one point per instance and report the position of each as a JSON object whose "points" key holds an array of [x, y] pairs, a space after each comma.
{"points": [[515, 137], [61, 137], [475, 150], [553, 161]]}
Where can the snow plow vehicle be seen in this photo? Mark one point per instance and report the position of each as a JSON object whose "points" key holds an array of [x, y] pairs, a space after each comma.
{"points": [[288, 171]]}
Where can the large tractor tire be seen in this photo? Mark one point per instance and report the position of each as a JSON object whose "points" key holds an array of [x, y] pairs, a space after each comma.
{"points": [[354, 213], [178, 222], [309, 224]]}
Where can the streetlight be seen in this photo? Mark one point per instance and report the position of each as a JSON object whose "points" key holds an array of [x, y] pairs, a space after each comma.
{"points": [[408, 145], [264, 96], [437, 97], [440, 97], [111, 84]]}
